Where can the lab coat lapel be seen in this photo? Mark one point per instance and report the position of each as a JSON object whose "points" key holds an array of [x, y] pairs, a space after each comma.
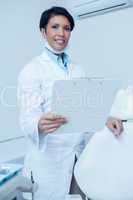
{"points": [[56, 71]]}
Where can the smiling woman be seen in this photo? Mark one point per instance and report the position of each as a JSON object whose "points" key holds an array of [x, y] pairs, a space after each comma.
{"points": [[57, 33], [50, 156], [57, 29]]}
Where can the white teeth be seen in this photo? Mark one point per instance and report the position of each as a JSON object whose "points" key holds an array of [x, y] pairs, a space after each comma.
{"points": [[60, 41]]}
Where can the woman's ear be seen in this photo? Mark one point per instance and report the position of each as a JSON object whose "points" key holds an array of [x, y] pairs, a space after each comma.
{"points": [[43, 32]]}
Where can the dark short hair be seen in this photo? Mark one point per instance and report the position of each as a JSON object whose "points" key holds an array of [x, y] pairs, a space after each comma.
{"points": [[54, 11]]}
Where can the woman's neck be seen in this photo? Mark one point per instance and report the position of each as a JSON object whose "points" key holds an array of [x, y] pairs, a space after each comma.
{"points": [[53, 50]]}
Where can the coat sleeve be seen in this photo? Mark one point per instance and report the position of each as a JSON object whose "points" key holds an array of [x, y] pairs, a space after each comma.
{"points": [[30, 102]]}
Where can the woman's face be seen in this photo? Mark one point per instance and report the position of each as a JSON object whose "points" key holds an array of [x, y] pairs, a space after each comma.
{"points": [[57, 32]]}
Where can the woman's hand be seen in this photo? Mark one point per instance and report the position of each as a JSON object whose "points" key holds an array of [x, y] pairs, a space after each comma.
{"points": [[115, 125], [49, 122]]}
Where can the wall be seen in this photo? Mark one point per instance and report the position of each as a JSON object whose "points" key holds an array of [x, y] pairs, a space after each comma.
{"points": [[20, 40], [104, 45]]}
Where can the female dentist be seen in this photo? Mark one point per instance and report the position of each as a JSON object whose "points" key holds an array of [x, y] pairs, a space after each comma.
{"points": [[50, 156]]}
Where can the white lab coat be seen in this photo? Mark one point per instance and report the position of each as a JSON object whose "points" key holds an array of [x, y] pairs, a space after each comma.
{"points": [[50, 157]]}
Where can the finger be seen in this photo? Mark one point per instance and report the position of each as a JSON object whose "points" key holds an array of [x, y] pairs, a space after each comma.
{"points": [[52, 130], [114, 129], [117, 128], [49, 129], [50, 122], [51, 116], [121, 126], [115, 125], [111, 126]]}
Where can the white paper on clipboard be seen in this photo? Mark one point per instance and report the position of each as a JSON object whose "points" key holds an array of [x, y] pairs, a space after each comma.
{"points": [[86, 103]]}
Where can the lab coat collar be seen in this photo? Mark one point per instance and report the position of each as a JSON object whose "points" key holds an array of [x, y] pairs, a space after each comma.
{"points": [[45, 56], [47, 46]]}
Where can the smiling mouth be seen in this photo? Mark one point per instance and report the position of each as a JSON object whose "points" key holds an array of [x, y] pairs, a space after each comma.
{"points": [[60, 41]]}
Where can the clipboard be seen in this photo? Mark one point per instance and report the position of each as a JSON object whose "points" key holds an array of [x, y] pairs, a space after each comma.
{"points": [[86, 103]]}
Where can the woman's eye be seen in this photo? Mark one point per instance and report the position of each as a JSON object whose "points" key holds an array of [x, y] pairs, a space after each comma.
{"points": [[55, 27], [68, 29]]}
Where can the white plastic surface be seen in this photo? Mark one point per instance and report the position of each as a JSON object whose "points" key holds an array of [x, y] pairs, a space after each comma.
{"points": [[105, 169]]}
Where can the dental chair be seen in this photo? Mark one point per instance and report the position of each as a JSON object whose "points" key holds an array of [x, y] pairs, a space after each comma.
{"points": [[104, 170]]}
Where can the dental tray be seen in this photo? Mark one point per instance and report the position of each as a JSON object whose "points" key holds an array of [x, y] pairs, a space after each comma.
{"points": [[8, 170]]}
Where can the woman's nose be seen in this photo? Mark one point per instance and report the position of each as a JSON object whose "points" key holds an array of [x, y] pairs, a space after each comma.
{"points": [[61, 31]]}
